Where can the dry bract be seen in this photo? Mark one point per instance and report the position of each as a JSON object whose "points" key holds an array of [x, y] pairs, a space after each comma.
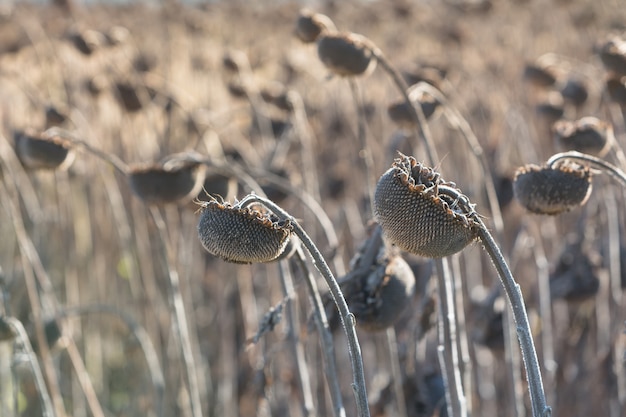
{"points": [[552, 190], [41, 152], [588, 135], [242, 235], [346, 54], [416, 216]]}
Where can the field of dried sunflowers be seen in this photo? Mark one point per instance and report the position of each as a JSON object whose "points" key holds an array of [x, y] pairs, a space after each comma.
{"points": [[181, 182]]}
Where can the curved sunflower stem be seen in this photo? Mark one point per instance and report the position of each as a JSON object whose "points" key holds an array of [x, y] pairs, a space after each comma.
{"points": [[606, 167], [347, 318], [516, 300]]}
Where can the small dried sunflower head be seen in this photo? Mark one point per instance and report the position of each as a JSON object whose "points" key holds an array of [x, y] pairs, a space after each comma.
{"points": [[588, 135], [242, 234], [552, 189], [310, 25], [417, 216], [346, 54], [36, 151], [166, 184]]}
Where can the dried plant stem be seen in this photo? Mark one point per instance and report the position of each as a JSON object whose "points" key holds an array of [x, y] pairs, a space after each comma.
{"points": [[606, 167], [396, 372], [286, 281], [18, 328], [448, 349], [421, 126], [84, 380], [458, 122], [461, 325], [364, 151], [516, 301], [347, 318], [545, 310], [179, 316], [142, 337], [326, 338], [32, 264], [112, 159], [513, 364]]}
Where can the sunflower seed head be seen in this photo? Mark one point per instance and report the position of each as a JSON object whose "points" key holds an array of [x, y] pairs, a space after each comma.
{"points": [[310, 25], [416, 216], [587, 135], [616, 87], [167, 183], [540, 76], [346, 54], [552, 190], [37, 151], [400, 113], [574, 277], [612, 53], [242, 235]]}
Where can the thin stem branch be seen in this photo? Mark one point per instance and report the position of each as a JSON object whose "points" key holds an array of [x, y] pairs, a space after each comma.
{"points": [[179, 316], [421, 126], [326, 338], [447, 349], [347, 318], [47, 407], [286, 281]]}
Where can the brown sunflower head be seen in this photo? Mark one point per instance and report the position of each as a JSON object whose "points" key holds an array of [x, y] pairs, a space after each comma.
{"points": [[554, 189], [612, 53], [417, 216], [588, 135], [242, 234], [346, 54], [400, 113], [37, 151], [540, 75], [311, 25], [167, 183]]}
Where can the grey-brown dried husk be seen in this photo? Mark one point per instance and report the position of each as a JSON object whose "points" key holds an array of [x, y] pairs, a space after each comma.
{"points": [[376, 295], [38, 152], [310, 26], [587, 135], [346, 54], [242, 235], [552, 190], [415, 216], [156, 185]]}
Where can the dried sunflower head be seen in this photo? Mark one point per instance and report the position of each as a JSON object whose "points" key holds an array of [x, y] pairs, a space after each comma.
{"points": [[166, 184], [37, 151], [417, 216], [346, 54], [242, 234], [588, 135], [552, 190], [310, 25]]}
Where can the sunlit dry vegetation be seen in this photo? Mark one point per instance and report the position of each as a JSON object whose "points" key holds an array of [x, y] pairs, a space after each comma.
{"points": [[190, 192]]}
